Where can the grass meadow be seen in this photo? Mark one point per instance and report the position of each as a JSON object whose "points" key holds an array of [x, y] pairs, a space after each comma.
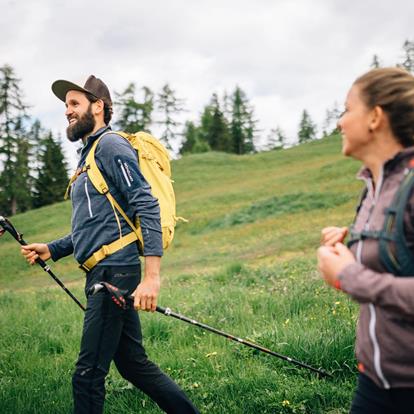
{"points": [[245, 263]]}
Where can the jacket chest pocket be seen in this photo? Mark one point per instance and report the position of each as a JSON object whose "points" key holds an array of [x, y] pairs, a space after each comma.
{"points": [[82, 196]]}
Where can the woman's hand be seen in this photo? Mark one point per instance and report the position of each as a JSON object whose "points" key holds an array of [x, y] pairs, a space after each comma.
{"points": [[332, 260], [332, 235]]}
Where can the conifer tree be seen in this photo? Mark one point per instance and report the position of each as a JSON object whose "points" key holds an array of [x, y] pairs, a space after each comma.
{"points": [[242, 123], [206, 122], [408, 58], [15, 179], [276, 139], [133, 115], [218, 134], [331, 119], [227, 106], [52, 177], [169, 107], [192, 142], [375, 64], [307, 129]]}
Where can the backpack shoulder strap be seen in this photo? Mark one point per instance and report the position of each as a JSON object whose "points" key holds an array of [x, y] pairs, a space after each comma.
{"points": [[354, 236], [98, 181], [401, 262], [94, 173]]}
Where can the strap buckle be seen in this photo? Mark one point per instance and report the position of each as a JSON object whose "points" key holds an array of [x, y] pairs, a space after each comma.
{"points": [[85, 268]]}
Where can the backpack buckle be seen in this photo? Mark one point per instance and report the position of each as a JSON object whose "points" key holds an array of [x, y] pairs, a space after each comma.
{"points": [[84, 268], [104, 188]]}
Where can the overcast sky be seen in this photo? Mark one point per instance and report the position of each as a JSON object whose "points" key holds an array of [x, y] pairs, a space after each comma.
{"points": [[288, 55]]}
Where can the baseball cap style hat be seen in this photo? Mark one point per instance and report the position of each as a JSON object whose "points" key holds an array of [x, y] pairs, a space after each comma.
{"points": [[93, 85]]}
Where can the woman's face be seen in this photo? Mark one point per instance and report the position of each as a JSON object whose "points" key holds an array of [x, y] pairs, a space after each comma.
{"points": [[354, 125]]}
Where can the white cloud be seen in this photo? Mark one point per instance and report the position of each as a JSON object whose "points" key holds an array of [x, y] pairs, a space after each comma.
{"points": [[287, 55]]}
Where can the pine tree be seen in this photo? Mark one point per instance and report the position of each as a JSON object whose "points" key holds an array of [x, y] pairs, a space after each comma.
{"points": [[375, 64], [331, 119], [307, 129], [227, 106], [276, 139], [251, 132], [52, 176], [134, 116], [170, 107], [192, 142], [23, 179], [218, 134], [206, 121], [242, 123], [15, 179], [408, 59]]}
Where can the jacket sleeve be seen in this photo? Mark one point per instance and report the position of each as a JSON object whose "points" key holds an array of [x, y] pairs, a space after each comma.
{"points": [[119, 163], [382, 289], [61, 248]]}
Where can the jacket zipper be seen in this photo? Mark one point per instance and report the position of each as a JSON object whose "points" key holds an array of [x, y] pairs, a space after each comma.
{"points": [[373, 314], [89, 199]]}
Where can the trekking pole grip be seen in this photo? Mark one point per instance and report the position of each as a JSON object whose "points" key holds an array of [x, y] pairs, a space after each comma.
{"points": [[6, 225]]}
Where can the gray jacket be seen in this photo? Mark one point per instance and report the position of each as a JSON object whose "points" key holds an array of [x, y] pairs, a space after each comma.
{"points": [[93, 219], [385, 331]]}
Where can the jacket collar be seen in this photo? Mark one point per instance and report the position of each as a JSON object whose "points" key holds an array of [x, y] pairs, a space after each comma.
{"points": [[91, 139], [399, 161]]}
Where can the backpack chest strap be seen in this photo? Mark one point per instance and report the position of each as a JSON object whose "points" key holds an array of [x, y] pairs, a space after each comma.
{"points": [[108, 249], [369, 234]]}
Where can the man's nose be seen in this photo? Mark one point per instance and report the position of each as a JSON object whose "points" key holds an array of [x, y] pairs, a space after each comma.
{"points": [[68, 111]]}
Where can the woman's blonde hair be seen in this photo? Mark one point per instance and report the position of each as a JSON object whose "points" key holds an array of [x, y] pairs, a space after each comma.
{"points": [[392, 89]]}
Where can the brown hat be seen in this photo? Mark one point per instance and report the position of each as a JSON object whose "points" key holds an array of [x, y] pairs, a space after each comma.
{"points": [[93, 85]]}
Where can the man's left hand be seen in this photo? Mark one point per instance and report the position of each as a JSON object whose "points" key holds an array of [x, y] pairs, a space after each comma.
{"points": [[146, 294], [332, 260]]}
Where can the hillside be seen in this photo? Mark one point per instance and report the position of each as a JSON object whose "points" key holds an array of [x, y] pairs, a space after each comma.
{"points": [[245, 264], [254, 209]]}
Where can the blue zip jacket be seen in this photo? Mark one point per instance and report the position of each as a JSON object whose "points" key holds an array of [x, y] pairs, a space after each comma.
{"points": [[93, 219]]}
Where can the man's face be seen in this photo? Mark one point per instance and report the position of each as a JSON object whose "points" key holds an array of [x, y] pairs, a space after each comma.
{"points": [[79, 114]]}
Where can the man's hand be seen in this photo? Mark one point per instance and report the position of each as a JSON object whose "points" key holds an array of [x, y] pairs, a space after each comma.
{"points": [[34, 251], [332, 235], [332, 260], [146, 294], [2, 231]]}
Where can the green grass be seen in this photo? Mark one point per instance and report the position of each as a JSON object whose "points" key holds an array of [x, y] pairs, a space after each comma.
{"points": [[245, 263], [279, 206]]}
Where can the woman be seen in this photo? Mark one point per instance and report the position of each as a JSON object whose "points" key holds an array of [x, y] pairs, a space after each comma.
{"points": [[378, 129]]}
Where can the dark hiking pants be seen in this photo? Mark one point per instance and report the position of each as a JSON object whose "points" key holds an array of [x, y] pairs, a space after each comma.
{"points": [[111, 333], [371, 399]]}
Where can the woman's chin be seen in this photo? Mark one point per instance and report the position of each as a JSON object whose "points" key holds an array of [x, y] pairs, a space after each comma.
{"points": [[345, 150]]}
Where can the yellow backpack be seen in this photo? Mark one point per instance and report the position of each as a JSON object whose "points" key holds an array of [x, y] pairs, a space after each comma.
{"points": [[154, 163]]}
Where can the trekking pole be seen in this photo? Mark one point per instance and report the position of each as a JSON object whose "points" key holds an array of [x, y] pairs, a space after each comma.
{"points": [[6, 225], [118, 296]]}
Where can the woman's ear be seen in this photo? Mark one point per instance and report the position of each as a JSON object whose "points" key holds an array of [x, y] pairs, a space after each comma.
{"points": [[377, 118]]}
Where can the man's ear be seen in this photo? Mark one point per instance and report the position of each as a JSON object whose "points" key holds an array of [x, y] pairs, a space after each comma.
{"points": [[98, 107]]}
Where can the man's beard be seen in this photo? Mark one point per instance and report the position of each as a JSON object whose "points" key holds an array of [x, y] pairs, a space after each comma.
{"points": [[82, 127]]}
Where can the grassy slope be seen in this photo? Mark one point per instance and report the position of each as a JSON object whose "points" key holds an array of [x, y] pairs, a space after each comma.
{"points": [[212, 188], [256, 279]]}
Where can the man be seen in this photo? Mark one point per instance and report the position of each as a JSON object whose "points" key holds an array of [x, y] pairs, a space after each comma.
{"points": [[109, 332]]}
